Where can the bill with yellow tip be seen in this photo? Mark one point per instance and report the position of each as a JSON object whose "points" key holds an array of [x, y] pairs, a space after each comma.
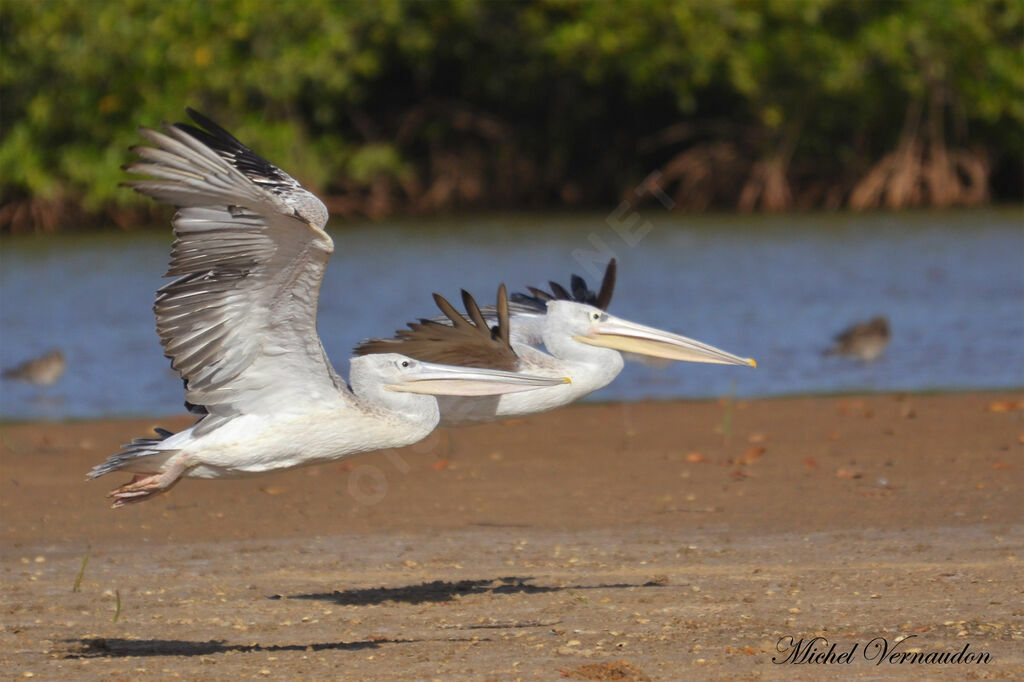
{"points": [[630, 337]]}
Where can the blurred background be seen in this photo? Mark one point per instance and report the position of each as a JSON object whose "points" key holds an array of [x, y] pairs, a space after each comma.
{"points": [[767, 173]]}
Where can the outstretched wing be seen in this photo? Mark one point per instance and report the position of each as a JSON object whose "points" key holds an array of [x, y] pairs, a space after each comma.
{"points": [[537, 299], [456, 340], [239, 322]]}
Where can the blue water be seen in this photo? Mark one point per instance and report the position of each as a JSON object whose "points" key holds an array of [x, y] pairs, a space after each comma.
{"points": [[774, 288]]}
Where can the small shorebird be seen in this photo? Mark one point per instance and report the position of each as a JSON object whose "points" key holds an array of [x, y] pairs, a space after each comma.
{"points": [[44, 370], [544, 334], [864, 341], [239, 325]]}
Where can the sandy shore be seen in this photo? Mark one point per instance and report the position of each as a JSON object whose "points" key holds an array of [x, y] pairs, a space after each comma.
{"points": [[657, 541]]}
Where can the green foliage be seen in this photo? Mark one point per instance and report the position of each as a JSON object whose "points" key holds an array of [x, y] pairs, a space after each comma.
{"points": [[549, 92], [79, 77]]}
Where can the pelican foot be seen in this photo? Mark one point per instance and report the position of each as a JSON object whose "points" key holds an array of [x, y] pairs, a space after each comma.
{"points": [[142, 488]]}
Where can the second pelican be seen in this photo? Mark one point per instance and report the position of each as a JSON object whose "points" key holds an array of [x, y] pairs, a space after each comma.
{"points": [[543, 334]]}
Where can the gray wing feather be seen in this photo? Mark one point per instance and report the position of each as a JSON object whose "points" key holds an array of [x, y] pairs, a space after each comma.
{"points": [[239, 322]]}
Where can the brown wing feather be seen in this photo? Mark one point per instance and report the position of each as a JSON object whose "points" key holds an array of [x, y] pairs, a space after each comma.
{"points": [[473, 310], [464, 343], [503, 328], [450, 312]]}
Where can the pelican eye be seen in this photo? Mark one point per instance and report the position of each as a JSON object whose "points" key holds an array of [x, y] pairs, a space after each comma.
{"points": [[596, 317], [406, 363]]}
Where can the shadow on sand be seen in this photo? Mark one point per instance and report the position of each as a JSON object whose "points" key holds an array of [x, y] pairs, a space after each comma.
{"points": [[435, 591], [443, 591], [117, 648]]}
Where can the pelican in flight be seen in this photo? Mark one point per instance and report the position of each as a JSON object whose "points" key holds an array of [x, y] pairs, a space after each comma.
{"points": [[564, 333], [239, 325]]}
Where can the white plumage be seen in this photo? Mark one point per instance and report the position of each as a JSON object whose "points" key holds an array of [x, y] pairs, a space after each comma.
{"points": [[239, 325]]}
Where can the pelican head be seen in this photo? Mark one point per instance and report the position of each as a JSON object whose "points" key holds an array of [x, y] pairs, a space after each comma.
{"points": [[398, 373], [594, 327]]}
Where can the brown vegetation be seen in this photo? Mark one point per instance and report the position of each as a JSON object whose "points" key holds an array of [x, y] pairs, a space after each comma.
{"points": [[923, 171]]}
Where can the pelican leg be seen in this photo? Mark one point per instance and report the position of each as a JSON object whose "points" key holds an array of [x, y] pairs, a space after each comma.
{"points": [[143, 487]]}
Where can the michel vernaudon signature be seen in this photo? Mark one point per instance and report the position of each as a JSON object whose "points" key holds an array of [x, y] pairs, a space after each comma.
{"points": [[819, 651]]}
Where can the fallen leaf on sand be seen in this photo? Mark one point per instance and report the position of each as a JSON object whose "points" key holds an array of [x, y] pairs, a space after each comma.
{"points": [[441, 464], [1001, 465], [1005, 405], [848, 473], [696, 458], [751, 455], [745, 650], [609, 670], [274, 490], [847, 406], [811, 462], [757, 438]]}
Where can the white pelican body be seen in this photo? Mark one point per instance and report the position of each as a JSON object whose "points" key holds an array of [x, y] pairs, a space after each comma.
{"points": [[239, 325], [583, 343], [377, 413]]}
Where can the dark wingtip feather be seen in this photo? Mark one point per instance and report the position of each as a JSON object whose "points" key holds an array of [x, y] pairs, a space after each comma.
{"points": [[208, 124], [541, 294], [604, 297], [579, 289], [233, 150], [559, 291]]}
